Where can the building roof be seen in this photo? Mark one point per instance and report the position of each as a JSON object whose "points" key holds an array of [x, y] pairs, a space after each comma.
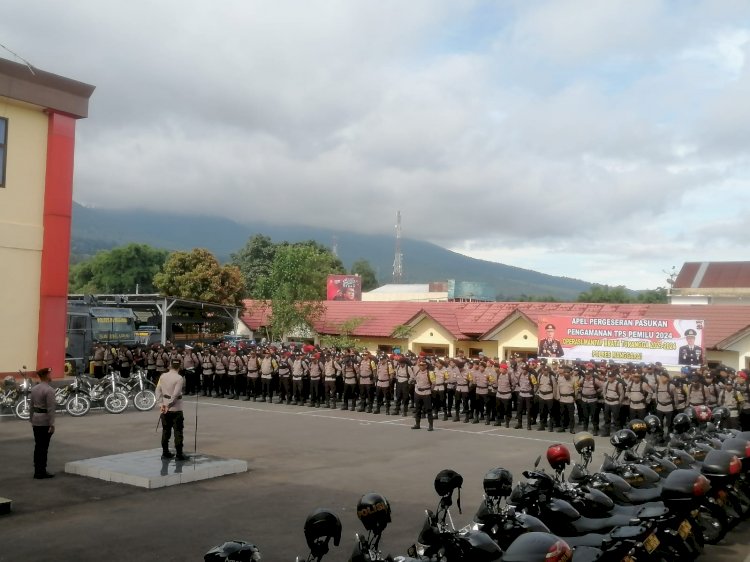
{"points": [[402, 288], [31, 85], [476, 320], [714, 275]]}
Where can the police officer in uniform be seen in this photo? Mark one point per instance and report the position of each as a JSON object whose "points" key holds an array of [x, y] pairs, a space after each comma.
{"points": [[169, 398], [690, 354], [383, 385], [614, 395], [42, 420], [423, 394], [549, 346], [503, 395], [404, 372]]}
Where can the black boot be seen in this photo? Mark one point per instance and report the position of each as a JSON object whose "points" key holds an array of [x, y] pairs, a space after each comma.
{"points": [[476, 417], [519, 424], [166, 454], [417, 420], [429, 421], [346, 405]]}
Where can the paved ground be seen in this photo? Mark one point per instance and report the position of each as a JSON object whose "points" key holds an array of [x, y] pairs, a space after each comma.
{"points": [[300, 458]]}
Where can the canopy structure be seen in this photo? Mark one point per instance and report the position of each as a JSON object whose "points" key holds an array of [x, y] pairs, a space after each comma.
{"points": [[169, 311]]}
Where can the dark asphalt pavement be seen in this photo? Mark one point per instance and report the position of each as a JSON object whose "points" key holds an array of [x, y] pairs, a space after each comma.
{"points": [[300, 458]]}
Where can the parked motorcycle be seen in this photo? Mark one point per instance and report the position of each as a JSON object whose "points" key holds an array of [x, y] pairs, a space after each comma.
{"points": [[22, 407], [439, 537], [678, 532], [321, 526], [140, 390], [105, 390]]}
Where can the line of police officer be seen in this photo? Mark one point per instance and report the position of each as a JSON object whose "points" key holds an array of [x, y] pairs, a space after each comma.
{"points": [[551, 395]]}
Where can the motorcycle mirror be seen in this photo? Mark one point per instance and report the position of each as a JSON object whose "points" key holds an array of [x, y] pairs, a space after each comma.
{"points": [[537, 461]]}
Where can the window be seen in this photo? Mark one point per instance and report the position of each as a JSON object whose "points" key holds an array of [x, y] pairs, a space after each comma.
{"points": [[385, 348], [3, 148]]}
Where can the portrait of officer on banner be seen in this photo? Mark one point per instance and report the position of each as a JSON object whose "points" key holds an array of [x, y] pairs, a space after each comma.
{"points": [[549, 346], [690, 354]]}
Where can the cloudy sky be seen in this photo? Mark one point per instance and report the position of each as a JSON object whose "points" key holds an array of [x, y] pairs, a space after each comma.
{"points": [[607, 141]]}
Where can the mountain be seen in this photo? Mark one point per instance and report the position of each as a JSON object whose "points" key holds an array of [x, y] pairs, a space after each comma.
{"points": [[97, 229]]}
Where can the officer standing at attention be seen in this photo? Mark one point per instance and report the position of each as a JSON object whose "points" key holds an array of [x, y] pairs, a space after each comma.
{"points": [[169, 398], [423, 380], [42, 421]]}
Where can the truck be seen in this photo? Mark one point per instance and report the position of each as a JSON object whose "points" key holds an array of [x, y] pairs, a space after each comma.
{"points": [[89, 323]]}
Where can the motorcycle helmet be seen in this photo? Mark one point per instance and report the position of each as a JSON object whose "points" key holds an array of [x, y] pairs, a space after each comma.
{"points": [[233, 551], [558, 456], [681, 423], [721, 414], [584, 441], [447, 481], [498, 483], [691, 415], [623, 439], [653, 423], [536, 546], [375, 512], [321, 526], [638, 427], [702, 413]]}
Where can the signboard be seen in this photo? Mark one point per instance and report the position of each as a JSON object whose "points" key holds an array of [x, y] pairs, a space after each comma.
{"points": [[622, 340], [344, 288]]}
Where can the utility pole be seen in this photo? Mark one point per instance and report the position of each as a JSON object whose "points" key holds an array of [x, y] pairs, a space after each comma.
{"points": [[398, 260]]}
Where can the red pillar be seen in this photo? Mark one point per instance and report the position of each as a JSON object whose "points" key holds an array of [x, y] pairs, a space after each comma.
{"points": [[58, 209]]}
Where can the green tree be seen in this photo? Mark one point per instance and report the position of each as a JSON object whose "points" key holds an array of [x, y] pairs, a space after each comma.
{"points": [[120, 270], [653, 296], [198, 275], [344, 338], [297, 285], [367, 273], [255, 260], [604, 293]]}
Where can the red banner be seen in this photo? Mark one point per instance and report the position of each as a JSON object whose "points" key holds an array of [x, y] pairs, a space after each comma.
{"points": [[344, 288], [623, 340]]}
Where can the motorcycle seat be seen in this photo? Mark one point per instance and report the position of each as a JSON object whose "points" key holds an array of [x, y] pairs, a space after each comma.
{"points": [[643, 495], [590, 540], [633, 510], [652, 512], [587, 554], [603, 524]]}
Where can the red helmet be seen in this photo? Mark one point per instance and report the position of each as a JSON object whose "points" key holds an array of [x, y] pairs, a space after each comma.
{"points": [[702, 413], [558, 456]]}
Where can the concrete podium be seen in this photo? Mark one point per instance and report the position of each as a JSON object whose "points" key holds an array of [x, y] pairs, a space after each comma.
{"points": [[146, 469]]}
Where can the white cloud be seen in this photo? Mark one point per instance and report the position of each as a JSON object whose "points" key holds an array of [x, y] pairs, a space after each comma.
{"points": [[577, 138]]}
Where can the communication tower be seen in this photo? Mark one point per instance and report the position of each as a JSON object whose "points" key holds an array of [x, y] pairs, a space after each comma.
{"points": [[398, 260]]}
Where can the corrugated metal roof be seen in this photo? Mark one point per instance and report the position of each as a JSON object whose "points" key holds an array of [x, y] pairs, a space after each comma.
{"points": [[403, 288], [714, 275], [470, 320]]}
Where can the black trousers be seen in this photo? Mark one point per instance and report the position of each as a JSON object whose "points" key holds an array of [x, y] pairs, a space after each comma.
{"points": [[42, 437], [169, 421], [545, 411], [503, 407]]}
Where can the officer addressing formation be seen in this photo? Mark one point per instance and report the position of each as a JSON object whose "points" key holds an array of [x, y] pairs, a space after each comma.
{"points": [[548, 393]]}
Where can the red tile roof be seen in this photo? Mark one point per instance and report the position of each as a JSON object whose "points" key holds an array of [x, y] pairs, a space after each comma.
{"points": [[469, 321], [714, 275]]}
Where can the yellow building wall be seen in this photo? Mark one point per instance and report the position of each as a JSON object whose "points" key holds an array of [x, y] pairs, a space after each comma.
{"points": [[21, 229], [372, 343], [429, 334], [520, 335], [488, 348]]}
